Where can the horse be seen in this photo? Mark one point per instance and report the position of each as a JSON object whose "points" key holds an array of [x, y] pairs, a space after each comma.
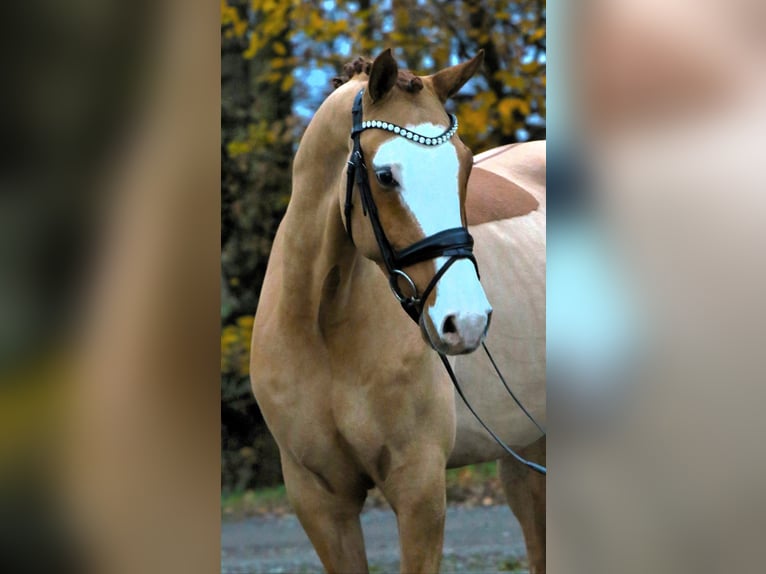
{"points": [[349, 386]]}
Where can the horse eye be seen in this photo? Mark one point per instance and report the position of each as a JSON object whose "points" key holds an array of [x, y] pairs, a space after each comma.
{"points": [[386, 178]]}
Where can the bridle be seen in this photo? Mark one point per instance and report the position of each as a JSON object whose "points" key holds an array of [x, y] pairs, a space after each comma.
{"points": [[455, 244]]}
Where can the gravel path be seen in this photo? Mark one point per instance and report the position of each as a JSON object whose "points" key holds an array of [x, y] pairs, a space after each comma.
{"points": [[484, 540]]}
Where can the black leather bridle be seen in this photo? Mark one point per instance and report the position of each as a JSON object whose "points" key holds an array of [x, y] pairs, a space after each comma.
{"points": [[455, 243]]}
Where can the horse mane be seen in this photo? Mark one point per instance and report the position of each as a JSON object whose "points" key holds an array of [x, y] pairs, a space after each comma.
{"points": [[406, 81]]}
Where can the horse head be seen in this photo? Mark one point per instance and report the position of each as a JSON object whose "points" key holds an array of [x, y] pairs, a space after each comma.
{"points": [[404, 202]]}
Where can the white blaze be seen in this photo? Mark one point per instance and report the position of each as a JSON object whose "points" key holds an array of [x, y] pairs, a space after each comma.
{"points": [[428, 186]]}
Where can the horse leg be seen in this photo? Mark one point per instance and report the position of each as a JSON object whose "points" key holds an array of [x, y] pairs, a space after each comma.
{"points": [[525, 492], [330, 517], [416, 490]]}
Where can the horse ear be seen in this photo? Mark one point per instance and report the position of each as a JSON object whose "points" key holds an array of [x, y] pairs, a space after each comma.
{"points": [[448, 82], [383, 75]]}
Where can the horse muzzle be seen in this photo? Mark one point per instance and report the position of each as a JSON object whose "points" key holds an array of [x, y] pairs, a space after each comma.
{"points": [[458, 333]]}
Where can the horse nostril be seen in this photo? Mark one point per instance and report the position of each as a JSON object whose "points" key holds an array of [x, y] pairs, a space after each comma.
{"points": [[449, 325]]}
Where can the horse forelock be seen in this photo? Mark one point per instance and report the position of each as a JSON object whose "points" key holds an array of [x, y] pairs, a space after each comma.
{"points": [[406, 80]]}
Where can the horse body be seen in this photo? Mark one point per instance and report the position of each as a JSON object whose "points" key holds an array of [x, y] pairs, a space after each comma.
{"points": [[346, 383], [511, 256]]}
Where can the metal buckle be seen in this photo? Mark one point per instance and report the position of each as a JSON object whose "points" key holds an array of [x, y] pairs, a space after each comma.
{"points": [[393, 283]]}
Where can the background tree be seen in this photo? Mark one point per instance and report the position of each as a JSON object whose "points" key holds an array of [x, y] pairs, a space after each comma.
{"points": [[257, 140], [278, 59]]}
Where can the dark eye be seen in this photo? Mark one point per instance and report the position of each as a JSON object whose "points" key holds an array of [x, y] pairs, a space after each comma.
{"points": [[386, 178]]}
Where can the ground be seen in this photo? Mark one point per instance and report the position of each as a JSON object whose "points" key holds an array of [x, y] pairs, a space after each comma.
{"points": [[478, 539]]}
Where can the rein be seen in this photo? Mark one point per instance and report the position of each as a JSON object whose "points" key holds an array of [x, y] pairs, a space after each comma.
{"points": [[455, 243]]}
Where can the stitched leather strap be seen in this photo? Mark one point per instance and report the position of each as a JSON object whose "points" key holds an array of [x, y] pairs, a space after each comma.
{"points": [[456, 241]]}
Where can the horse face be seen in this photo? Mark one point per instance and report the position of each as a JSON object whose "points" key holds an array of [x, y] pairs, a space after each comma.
{"points": [[429, 185], [419, 191]]}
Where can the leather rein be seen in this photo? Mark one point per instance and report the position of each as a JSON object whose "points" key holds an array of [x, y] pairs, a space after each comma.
{"points": [[455, 243]]}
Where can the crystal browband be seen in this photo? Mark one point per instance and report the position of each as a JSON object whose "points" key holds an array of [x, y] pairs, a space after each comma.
{"points": [[410, 135]]}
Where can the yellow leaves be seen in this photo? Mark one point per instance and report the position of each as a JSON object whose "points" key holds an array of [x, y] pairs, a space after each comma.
{"points": [[531, 68], [228, 13], [526, 26], [486, 99], [538, 34], [287, 83], [235, 346], [279, 48], [264, 5], [252, 49], [396, 37], [237, 148], [285, 35], [511, 80], [287, 63], [272, 20], [504, 115], [316, 21], [486, 113], [316, 25], [441, 54], [508, 105], [235, 26], [257, 43], [473, 118], [506, 109], [402, 17], [260, 136]]}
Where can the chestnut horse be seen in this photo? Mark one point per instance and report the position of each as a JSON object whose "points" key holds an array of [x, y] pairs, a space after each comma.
{"points": [[351, 389]]}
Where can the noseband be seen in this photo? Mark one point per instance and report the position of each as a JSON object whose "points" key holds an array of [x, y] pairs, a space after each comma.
{"points": [[455, 243]]}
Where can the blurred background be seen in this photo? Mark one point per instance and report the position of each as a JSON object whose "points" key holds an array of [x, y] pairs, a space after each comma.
{"points": [[278, 62], [109, 287], [655, 335]]}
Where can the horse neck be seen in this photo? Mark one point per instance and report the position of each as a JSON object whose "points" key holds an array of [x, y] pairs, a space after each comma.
{"points": [[319, 260]]}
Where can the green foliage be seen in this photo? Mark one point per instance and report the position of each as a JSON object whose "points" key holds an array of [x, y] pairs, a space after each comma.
{"points": [[243, 503], [513, 565], [268, 50], [468, 474], [472, 485]]}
